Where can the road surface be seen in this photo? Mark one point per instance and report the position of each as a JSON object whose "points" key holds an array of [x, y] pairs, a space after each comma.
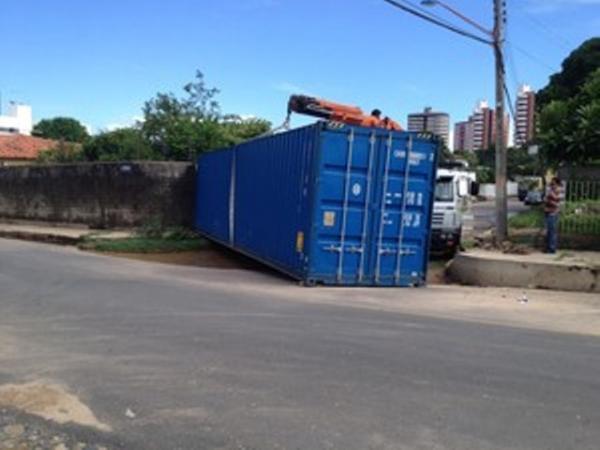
{"points": [[172, 357]]}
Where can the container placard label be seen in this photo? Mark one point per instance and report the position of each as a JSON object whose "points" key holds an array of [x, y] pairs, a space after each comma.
{"points": [[329, 218], [300, 242]]}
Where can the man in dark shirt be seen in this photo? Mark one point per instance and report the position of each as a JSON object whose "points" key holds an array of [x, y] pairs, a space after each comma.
{"points": [[551, 210]]}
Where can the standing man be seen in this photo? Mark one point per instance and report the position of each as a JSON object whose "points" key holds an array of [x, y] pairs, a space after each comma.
{"points": [[551, 210]]}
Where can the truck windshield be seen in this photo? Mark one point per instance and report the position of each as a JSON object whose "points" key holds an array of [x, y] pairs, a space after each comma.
{"points": [[444, 190]]}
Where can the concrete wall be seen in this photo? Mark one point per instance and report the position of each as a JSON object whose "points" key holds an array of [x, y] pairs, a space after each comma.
{"points": [[488, 190], [101, 195], [479, 268]]}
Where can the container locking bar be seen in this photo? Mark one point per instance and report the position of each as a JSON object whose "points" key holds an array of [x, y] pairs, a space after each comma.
{"points": [[403, 211], [340, 269], [386, 172], [363, 238]]}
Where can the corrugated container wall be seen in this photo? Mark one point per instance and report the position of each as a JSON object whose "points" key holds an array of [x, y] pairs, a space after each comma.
{"points": [[326, 204]]}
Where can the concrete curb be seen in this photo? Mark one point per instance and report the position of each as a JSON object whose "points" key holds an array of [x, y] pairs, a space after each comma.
{"points": [[52, 234], [488, 270], [41, 237]]}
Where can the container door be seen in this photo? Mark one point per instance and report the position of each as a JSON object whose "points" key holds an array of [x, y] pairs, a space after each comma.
{"points": [[343, 209], [400, 233]]}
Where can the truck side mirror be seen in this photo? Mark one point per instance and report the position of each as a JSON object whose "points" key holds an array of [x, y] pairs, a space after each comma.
{"points": [[474, 188]]}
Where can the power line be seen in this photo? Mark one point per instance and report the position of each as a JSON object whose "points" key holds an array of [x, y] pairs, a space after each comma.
{"points": [[514, 73], [532, 57], [436, 21], [428, 12], [558, 38]]}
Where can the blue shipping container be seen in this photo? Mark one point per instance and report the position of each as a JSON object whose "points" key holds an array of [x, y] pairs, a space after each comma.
{"points": [[326, 204]]}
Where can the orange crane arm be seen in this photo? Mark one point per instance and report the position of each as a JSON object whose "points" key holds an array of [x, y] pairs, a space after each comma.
{"points": [[351, 115]]}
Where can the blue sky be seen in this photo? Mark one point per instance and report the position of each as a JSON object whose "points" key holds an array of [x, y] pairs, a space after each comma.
{"points": [[98, 61]]}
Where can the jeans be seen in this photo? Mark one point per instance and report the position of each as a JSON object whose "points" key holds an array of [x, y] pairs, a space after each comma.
{"points": [[551, 232]]}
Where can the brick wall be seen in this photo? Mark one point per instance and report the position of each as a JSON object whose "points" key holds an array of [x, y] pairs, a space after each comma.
{"points": [[101, 195]]}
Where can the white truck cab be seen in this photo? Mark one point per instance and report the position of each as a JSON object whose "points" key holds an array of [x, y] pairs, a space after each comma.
{"points": [[454, 186]]}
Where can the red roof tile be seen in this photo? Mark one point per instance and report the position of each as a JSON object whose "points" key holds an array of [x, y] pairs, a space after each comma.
{"points": [[21, 147]]}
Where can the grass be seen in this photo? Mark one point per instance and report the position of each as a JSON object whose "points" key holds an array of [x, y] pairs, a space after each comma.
{"points": [[575, 217], [533, 218], [148, 239], [143, 245], [582, 217]]}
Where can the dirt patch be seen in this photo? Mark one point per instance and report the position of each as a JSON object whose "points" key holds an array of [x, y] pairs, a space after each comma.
{"points": [[212, 256], [49, 401], [218, 257], [436, 272]]}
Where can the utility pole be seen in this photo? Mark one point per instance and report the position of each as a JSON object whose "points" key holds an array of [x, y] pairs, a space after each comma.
{"points": [[500, 144], [495, 39]]}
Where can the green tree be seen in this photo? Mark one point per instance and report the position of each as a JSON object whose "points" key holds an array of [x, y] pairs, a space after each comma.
{"points": [[237, 129], [576, 69], [569, 129], [125, 144], [65, 152], [483, 162], [181, 128], [61, 128]]}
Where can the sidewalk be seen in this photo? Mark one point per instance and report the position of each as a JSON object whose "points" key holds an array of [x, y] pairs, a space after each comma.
{"points": [[566, 270], [67, 234]]}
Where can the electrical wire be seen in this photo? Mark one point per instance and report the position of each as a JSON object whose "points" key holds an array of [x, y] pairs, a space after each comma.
{"points": [[558, 38], [427, 12], [532, 57], [428, 17]]}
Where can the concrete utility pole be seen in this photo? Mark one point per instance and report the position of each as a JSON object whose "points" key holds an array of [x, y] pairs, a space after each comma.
{"points": [[501, 200], [495, 39]]}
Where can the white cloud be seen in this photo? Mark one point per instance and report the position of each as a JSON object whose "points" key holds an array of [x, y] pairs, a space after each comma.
{"points": [[291, 88], [124, 124]]}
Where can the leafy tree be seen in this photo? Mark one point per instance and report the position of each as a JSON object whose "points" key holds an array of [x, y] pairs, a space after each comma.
{"points": [[483, 162], [237, 129], [181, 128], [125, 144], [570, 128], [65, 152], [61, 128], [468, 156], [576, 69]]}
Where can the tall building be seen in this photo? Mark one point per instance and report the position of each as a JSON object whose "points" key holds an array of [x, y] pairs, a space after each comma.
{"points": [[479, 132], [463, 136], [483, 122], [434, 122], [525, 116], [17, 121]]}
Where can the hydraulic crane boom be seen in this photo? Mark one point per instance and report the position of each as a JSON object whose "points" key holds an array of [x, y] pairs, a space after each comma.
{"points": [[337, 112]]}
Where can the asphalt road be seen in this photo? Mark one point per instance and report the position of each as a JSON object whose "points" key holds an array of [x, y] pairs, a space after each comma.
{"points": [[484, 213], [205, 366]]}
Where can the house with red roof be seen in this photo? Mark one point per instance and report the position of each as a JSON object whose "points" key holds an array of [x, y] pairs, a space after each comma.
{"points": [[20, 149]]}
